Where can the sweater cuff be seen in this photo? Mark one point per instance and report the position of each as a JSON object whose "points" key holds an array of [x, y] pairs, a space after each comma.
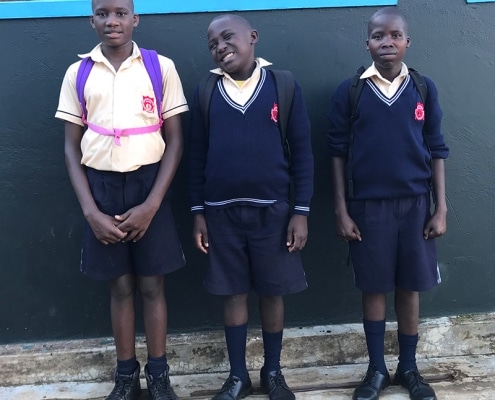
{"points": [[301, 210], [197, 210]]}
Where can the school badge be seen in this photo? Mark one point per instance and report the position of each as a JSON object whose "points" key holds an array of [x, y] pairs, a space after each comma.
{"points": [[148, 104]]}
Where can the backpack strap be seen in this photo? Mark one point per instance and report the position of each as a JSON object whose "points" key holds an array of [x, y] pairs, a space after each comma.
{"points": [[205, 90], [420, 83], [81, 78], [152, 65], [355, 89], [284, 82]]}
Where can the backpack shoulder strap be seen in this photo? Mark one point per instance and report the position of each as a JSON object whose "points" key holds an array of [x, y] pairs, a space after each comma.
{"points": [[152, 65], [81, 78], [355, 89], [205, 89], [284, 82], [420, 83]]}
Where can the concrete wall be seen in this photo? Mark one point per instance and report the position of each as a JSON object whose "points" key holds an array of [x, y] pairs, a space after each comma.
{"points": [[42, 293]]}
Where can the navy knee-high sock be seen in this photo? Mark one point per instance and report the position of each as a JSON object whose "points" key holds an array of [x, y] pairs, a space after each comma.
{"points": [[127, 367], [157, 365], [407, 352], [272, 345], [375, 342], [235, 337]]}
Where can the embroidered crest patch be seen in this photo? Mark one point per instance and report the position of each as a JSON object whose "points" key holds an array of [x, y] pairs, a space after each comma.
{"points": [[419, 113], [274, 113], [148, 104]]}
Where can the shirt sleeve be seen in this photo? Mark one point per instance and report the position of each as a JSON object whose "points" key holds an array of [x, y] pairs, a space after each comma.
{"points": [[174, 101], [198, 148], [433, 123], [69, 108], [302, 163], [339, 116]]}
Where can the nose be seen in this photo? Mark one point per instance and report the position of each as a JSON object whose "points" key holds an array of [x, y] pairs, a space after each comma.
{"points": [[221, 46], [112, 20]]}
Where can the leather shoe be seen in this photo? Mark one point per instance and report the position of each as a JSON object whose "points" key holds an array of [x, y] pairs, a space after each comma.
{"points": [[233, 389], [371, 385], [273, 383], [415, 384]]}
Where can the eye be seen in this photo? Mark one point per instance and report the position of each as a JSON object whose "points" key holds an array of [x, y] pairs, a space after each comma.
{"points": [[100, 14], [212, 46], [376, 37], [227, 36], [121, 14]]}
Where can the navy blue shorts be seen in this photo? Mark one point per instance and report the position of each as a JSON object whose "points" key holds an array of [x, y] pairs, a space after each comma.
{"points": [[393, 253], [248, 252], [158, 252]]}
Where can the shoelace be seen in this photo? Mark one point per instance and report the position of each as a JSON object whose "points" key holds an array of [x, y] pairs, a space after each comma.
{"points": [[161, 389], [278, 381], [121, 385], [229, 384]]}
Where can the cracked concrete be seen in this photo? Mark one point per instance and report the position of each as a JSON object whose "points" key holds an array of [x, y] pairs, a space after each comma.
{"points": [[324, 362]]}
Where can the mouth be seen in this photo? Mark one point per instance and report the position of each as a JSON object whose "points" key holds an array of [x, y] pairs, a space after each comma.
{"points": [[113, 33], [227, 56]]}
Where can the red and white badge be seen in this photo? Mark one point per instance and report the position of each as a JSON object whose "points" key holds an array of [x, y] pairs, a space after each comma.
{"points": [[148, 104]]}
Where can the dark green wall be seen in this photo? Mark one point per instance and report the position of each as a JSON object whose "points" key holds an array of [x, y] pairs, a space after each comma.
{"points": [[43, 295]]}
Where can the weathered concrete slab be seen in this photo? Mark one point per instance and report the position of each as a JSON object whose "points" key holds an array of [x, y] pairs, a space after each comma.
{"points": [[453, 378], [199, 353]]}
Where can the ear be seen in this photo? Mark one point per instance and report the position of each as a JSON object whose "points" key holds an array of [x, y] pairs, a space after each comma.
{"points": [[136, 20], [367, 45], [254, 36], [408, 41], [92, 21]]}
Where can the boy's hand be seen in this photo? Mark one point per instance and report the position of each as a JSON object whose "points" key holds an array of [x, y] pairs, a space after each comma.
{"points": [[436, 226], [200, 233], [105, 229], [297, 233], [135, 222], [347, 229]]}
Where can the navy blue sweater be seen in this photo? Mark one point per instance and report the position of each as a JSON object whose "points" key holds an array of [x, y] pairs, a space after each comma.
{"points": [[241, 160], [390, 158]]}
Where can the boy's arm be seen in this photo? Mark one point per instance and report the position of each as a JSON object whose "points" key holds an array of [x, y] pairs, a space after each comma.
{"points": [[347, 230], [302, 170], [437, 225], [198, 147], [137, 219], [103, 226]]}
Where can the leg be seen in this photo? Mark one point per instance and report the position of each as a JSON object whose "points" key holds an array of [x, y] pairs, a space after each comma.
{"points": [[407, 375], [122, 310], [155, 325], [377, 377], [407, 311], [235, 311], [154, 313], [272, 322]]}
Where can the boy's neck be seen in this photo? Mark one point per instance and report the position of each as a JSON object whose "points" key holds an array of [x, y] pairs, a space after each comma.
{"points": [[117, 55], [390, 73]]}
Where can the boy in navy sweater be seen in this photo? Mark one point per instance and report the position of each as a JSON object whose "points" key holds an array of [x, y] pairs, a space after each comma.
{"points": [[239, 180], [398, 154]]}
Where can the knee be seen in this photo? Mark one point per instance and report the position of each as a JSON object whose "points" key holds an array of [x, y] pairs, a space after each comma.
{"points": [[122, 289], [151, 287]]}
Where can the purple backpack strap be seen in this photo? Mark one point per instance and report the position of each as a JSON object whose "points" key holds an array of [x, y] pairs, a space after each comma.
{"points": [[152, 65], [82, 76]]}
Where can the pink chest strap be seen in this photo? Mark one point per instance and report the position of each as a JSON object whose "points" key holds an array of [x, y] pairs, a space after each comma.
{"points": [[118, 133]]}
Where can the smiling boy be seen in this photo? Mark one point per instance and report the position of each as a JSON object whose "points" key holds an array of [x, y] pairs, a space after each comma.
{"points": [[239, 180], [382, 179], [121, 158]]}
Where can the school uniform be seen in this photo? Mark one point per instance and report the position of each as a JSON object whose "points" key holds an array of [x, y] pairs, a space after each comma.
{"points": [[122, 170], [239, 178], [391, 178]]}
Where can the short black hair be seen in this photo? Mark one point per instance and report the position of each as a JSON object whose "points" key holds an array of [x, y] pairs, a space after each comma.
{"points": [[235, 17], [131, 4], [394, 11]]}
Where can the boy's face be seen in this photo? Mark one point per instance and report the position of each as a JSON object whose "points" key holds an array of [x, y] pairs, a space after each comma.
{"points": [[114, 21], [231, 43], [387, 41]]}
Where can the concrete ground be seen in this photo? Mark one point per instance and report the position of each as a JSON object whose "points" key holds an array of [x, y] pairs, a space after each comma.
{"points": [[460, 378], [455, 354]]}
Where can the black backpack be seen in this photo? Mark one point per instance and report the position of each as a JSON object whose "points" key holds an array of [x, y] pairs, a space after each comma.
{"points": [[355, 89], [284, 82]]}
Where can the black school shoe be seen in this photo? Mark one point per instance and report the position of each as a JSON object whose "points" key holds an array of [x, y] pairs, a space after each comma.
{"points": [[273, 383], [234, 389], [159, 388], [127, 387], [415, 384], [371, 385]]}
